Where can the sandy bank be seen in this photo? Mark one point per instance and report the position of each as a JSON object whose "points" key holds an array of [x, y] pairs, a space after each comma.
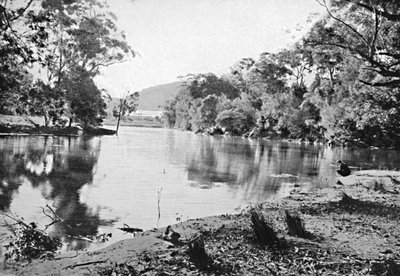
{"points": [[357, 235]]}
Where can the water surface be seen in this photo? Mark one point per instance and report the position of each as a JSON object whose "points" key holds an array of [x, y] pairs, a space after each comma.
{"points": [[97, 184]]}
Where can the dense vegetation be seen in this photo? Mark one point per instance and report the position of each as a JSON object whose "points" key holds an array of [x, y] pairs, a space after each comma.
{"points": [[340, 82], [50, 52]]}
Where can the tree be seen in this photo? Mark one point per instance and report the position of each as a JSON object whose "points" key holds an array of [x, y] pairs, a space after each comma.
{"points": [[240, 118], [70, 39], [169, 113], [85, 102], [127, 105], [202, 85], [42, 100], [206, 113], [83, 34], [20, 41], [369, 30]]}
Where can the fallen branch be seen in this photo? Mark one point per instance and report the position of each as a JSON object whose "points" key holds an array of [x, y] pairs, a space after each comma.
{"points": [[86, 263], [71, 257], [18, 221], [128, 229]]}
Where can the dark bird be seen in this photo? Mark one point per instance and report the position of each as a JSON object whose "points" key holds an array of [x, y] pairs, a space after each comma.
{"points": [[343, 170]]}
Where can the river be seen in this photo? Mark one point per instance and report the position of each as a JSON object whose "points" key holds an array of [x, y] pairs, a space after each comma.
{"points": [[148, 177]]}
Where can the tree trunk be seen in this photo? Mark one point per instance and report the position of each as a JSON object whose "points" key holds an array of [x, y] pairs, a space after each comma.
{"points": [[46, 120], [119, 115], [70, 122]]}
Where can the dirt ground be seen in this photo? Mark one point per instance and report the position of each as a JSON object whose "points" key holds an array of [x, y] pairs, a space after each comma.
{"points": [[352, 228]]}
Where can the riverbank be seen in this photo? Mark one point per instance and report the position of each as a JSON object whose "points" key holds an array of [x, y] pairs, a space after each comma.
{"points": [[20, 125], [351, 229], [135, 121]]}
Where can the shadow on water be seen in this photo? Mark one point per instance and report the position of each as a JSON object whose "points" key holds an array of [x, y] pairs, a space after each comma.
{"points": [[43, 163]]}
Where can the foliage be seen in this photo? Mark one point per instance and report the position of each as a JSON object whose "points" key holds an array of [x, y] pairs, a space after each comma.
{"points": [[239, 119], [83, 34], [206, 113], [203, 85], [42, 100], [29, 242], [169, 114], [85, 102], [127, 105], [366, 29], [70, 41]]}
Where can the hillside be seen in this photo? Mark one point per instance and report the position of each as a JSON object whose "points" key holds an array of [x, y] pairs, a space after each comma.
{"points": [[154, 98], [150, 99]]}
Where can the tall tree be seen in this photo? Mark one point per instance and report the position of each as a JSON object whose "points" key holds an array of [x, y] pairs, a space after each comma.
{"points": [[83, 33], [83, 38], [84, 100]]}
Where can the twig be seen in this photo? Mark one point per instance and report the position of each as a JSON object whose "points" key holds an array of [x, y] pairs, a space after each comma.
{"points": [[17, 220], [55, 218]]}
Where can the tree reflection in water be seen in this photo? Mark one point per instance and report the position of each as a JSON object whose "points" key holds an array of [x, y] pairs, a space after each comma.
{"points": [[72, 175], [258, 167], [59, 167]]}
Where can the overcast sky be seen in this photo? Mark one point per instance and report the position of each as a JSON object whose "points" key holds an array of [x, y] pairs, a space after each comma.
{"points": [[177, 37]]}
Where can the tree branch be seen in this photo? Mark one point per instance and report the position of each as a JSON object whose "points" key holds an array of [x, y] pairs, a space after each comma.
{"points": [[383, 12], [105, 64], [382, 84], [342, 22], [372, 50], [22, 11]]}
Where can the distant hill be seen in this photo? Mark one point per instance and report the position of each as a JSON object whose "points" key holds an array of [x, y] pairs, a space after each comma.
{"points": [[154, 98], [151, 101]]}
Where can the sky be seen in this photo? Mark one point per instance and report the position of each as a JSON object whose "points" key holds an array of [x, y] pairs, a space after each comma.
{"points": [[176, 37]]}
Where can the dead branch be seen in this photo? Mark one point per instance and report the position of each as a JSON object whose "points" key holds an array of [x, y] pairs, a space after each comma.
{"points": [[18, 221], [83, 264], [128, 229], [71, 257], [54, 217]]}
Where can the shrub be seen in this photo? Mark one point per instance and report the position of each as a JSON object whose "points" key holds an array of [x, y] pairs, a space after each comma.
{"points": [[29, 242]]}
